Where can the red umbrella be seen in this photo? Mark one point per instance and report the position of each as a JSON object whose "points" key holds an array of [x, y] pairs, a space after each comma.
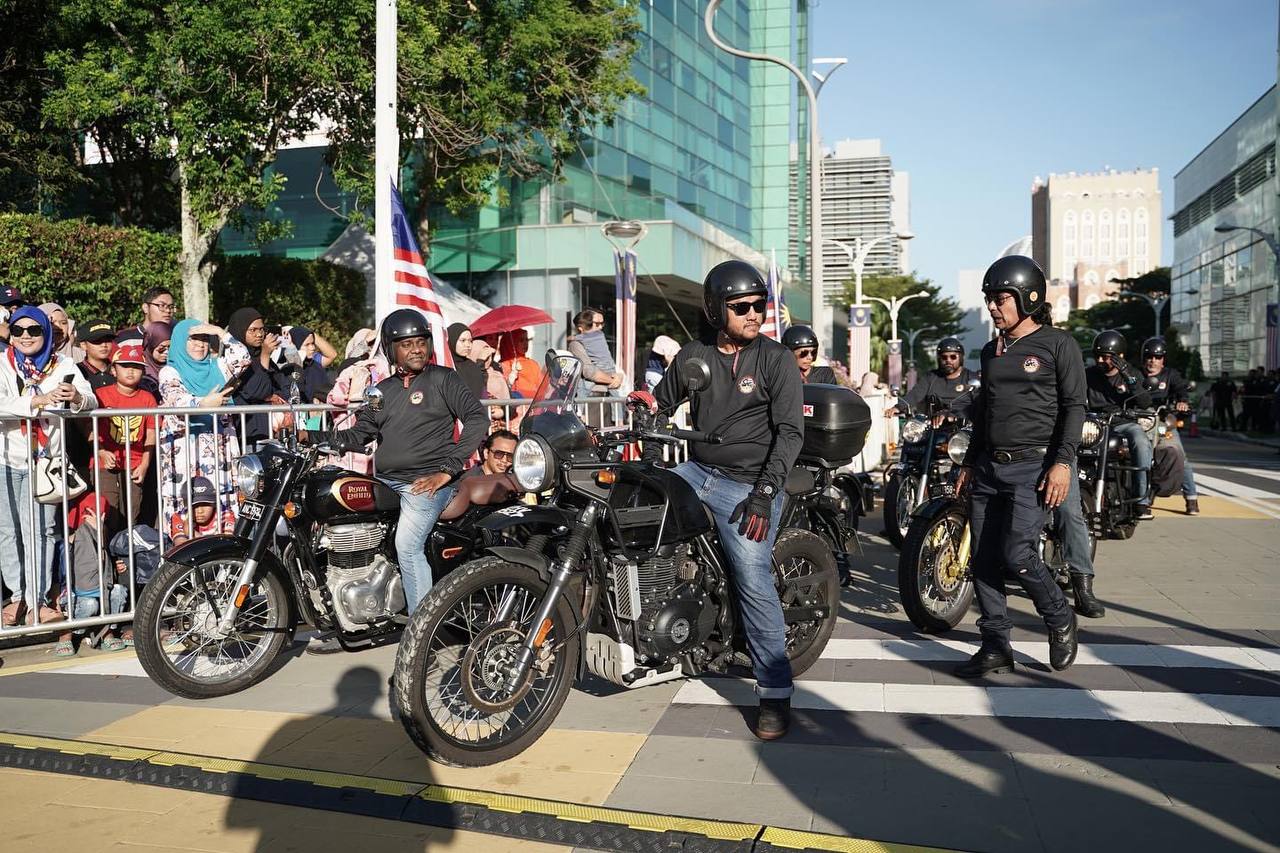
{"points": [[508, 318]]}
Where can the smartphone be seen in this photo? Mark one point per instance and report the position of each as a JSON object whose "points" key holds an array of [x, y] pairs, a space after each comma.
{"points": [[234, 383], [69, 379], [273, 330]]}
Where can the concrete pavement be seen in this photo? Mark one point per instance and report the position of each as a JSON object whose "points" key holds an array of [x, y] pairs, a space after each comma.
{"points": [[1166, 733]]}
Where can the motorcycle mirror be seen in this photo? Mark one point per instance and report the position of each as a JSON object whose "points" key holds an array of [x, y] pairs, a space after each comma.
{"points": [[373, 398], [1191, 386], [696, 374]]}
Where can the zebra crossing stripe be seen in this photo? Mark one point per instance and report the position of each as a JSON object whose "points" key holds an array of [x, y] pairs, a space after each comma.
{"points": [[1090, 654]]}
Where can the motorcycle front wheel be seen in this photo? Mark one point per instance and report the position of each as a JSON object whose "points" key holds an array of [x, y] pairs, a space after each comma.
{"points": [[175, 629], [934, 582], [899, 501], [449, 687]]}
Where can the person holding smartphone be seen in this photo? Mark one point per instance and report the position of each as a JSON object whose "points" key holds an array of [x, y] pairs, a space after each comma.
{"points": [[248, 357]]}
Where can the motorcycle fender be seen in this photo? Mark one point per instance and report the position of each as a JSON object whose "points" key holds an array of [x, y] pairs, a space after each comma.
{"points": [[891, 470], [861, 489], [934, 507], [204, 549], [540, 564], [523, 515]]}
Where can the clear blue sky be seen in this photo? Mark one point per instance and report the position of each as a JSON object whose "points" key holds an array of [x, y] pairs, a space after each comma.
{"points": [[976, 98]]}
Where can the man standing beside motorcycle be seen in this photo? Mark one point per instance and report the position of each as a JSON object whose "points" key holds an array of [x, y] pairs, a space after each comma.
{"points": [[803, 344], [1026, 426], [1173, 391], [754, 402], [1112, 384], [948, 382], [417, 453]]}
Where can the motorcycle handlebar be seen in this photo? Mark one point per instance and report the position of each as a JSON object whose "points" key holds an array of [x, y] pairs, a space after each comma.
{"points": [[696, 435]]}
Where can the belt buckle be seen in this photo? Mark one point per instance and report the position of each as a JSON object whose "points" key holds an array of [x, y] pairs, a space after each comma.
{"points": [[1004, 457]]}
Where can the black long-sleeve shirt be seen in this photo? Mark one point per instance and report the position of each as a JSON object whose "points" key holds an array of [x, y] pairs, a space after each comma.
{"points": [[755, 402], [1033, 395], [946, 390], [821, 375], [1110, 393], [415, 425], [1170, 387], [259, 386]]}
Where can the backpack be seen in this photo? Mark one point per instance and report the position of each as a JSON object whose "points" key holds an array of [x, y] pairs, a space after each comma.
{"points": [[1166, 471]]}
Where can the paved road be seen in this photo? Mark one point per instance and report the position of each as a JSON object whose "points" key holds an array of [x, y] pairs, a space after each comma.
{"points": [[1166, 734]]}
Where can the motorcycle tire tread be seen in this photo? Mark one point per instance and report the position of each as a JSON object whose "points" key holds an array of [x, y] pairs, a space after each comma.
{"points": [[892, 531]]}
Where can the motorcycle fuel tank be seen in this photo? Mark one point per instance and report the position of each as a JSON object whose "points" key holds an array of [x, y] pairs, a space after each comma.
{"points": [[652, 507], [335, 494]]}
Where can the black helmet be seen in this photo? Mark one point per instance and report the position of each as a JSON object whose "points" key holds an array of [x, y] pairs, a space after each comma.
{"points": [[1155, 348], [950, 345], [799, 336], [1109, 342], [400, 324], [729, 280], [1019, 275]]}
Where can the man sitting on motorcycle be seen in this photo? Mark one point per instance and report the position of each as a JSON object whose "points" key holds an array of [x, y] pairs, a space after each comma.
{"points": [[803, 344], [1112, 384], [755, 403], [1173, 391], [949, 382]]}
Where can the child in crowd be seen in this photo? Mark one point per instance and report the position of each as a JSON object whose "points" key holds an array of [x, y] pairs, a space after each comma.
{"points": [[204, 511], [119, 480], [88, 576]]}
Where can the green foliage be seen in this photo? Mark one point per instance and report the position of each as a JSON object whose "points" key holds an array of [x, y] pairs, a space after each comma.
{"points": [[91, 270], [941, 316], [1128, 314], [322, 296]]}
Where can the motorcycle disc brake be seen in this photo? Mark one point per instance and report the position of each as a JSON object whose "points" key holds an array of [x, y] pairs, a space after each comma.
{"points": [[484, 669]]}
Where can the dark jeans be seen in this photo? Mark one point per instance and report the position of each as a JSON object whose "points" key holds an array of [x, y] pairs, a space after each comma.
{"points": [[1073, 531], [1224, 416], [1006, 517]]}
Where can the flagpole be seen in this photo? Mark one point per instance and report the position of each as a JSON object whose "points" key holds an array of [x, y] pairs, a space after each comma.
{"points": [[386, 149]]}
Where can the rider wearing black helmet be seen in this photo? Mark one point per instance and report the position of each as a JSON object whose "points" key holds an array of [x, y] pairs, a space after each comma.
{"points": [[803, 344], [755, 402], [417, 454], [1171, 390], [1026, 425], [1112, 383], [948, 382]]}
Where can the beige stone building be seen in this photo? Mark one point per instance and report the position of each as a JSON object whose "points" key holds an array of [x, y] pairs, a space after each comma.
{"points": [[1092, 227]]}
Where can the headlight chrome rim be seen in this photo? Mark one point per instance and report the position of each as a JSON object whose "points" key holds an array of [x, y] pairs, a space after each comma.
{"points": [[533, 464], [913, 430], [249, 471], [1090, 433], [958, 446]]}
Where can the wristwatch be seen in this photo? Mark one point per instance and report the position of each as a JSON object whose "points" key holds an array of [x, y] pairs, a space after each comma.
{"points": [[766, 489]]}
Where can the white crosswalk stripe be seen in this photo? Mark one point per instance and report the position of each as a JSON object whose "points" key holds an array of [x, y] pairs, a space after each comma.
{"points": [[1090, 654]]}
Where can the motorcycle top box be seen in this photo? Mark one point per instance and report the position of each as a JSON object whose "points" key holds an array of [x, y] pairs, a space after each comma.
{"points": [[836, 423]]}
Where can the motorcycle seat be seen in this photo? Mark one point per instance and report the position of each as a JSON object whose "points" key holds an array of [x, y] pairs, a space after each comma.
{"points": [[480, 490], [799, 482]]}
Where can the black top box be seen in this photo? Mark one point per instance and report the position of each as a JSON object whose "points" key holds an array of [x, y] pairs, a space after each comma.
{"points": [[836, 423]]}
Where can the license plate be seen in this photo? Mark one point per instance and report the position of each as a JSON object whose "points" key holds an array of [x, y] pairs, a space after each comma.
{"points": [[251, 510]]}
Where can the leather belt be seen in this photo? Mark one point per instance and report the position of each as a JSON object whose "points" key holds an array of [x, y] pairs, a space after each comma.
{"points": [[1004, 457]]}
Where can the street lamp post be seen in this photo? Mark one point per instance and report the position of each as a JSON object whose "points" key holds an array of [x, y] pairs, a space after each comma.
{"points": [[859, 311], [822, 314], [1157, 305], [895, 343], [911, 341]]}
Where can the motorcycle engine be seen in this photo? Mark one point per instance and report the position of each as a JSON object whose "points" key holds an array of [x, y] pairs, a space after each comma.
{"points": [[365, 586], [663, 599]]}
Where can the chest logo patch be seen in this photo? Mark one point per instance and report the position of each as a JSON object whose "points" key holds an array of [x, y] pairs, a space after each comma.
{"points": [[1031, 364], [747, 384], [959, 387], [808, 410], [415, 398], [1122, 387], [1163, 385]]}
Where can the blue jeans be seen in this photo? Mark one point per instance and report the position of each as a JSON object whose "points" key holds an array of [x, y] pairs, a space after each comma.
{"points": [[418, 514], [1072, 531], [1141, 447], [752, 567], [1188, 474], [87, 603], [26, 551]]}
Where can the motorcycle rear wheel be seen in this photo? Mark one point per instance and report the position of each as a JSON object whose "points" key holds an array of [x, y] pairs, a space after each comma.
{"points": [[899, 501], [797, 554], [451, 657], [936, 591]]}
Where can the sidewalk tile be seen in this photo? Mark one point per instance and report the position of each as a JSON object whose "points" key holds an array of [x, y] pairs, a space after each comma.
{"points": [[711, 760]]}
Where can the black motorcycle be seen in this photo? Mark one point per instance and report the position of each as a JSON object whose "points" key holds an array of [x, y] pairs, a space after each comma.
{"points": [[819, 499], [623, 576], [219, 610], [1108, 483]]}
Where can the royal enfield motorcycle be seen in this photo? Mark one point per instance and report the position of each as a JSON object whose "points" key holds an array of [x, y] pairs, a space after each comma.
{"points": [[623, 577], [1108, 485], [220, 609]]}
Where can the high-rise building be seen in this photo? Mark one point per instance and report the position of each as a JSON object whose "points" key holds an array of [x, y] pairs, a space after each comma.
{"points": [[1088, 229], [1224, 280]]}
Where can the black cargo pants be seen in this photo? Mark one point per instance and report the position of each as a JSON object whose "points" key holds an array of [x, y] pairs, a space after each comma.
{"points": [[1006, 516]]}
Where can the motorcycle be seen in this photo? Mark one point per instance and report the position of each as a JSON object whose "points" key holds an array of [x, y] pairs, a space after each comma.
{"points": [[926, 465], [1107, 476], [818, 498], [220, 608], [624, 578]]}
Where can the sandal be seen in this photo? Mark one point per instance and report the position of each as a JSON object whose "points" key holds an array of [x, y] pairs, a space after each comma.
{"points": [[113, 644], [13, 613], [127, 639], [63, 649]]}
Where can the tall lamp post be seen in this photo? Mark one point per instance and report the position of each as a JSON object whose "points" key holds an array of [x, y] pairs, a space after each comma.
{"points": [[822, 313], [624, 236], [859, 311], [1157, 304], [895, 343], [911, 341]]}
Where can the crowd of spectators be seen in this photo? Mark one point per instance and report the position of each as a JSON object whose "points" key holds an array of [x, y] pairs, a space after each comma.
{"points": [[1250, 405]]}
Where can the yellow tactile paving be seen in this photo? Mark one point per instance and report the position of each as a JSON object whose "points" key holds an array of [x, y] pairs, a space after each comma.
{"points": [[1211, 506]]}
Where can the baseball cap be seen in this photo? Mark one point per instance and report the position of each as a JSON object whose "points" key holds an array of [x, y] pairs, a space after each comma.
{"points": [[202, 491], [129, 353], [10, 296], [96, 332], [131, 333]]}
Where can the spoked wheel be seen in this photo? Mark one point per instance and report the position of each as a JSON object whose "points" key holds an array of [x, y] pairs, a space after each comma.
{"points": [[899, 501], [934, 581], [451, 685], [805, 573], [176, 629]]}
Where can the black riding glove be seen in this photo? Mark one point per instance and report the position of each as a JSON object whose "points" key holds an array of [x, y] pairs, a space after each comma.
{"points": [[756, 512]]}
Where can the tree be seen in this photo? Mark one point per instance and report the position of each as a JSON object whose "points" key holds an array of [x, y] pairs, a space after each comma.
{"points": [[1127, 313], [940, 316]]}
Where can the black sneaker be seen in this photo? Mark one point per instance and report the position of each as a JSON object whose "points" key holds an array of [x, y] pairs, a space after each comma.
{"points": [[1144, 513], [1193, 506], [774, 719], [990, 659]]}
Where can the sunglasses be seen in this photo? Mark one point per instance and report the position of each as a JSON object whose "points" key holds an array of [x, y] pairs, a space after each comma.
{"points": [[502, 454], [999, 299], [951, 355], [806, 353], [27, 332], [742, 309]]}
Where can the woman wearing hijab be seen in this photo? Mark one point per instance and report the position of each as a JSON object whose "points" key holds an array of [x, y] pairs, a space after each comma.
{"points": [[31, 375], [664, 351], [155, 352], [468, 371], [247, 356], [63, 329], [315, 382], [358, 348], [199, 445], [349, 388]]}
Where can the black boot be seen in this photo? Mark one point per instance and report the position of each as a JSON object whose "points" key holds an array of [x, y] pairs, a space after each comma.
{"points": [[1086, 605], [991, 659], [774, 719], [1063, 644]]}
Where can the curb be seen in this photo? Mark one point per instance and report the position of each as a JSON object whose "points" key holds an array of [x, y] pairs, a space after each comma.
{"points": [[1237, 438]]}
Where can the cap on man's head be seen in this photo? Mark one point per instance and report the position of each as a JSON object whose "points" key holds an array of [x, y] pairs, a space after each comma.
{"points": [[96, 332], [130, 353], [10, 296], [202, 491]]}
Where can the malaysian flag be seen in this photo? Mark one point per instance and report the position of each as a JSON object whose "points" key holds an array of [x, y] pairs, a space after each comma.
{"points": [[859, 338], [774, 322], [413, 282], [1273, 336], [624, 287]]}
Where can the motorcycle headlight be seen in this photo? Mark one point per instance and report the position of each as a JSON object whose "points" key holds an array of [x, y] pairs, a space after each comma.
{"points": [[532, 464], [958, 446], [914, 430], [249, 475], [1091, 433]]}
